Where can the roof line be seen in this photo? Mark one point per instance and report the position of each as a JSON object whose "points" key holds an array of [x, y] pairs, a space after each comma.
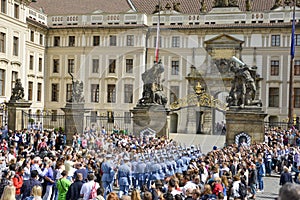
{"points": [[131, 5]]}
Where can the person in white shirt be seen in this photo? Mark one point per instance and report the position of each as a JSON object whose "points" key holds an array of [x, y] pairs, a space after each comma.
{"points": [[87, 187]]}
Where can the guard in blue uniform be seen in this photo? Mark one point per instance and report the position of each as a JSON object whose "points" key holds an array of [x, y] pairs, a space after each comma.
{"points": [[179, 165], [134, 171], [140, 170], [107, 179], [124, 177]]}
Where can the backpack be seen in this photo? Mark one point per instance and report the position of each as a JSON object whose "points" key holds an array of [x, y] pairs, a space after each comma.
{"points": [[242, 190], [93, 193]]}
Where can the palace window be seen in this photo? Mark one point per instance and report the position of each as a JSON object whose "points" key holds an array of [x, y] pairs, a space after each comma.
{"points": [[40, 64], [71, 41], [54, 92], [95, 93], [112, 66], [296, 97], [112, 40], [70, 65], [175, 41], [129, 66], [111, 93], [128, 93], [2, 82], [175, 68], [15, 46], [30, 89], [275, 40], [31, 62], [32, 36], [273, 97], [55, 65], [69, 91], [274, 67], [2, 42], [95, 66], [130, 40], [41, 39], [39, 92], [297, 38], [16, 11], [96, 40], [4, 6], [56, 41], [297, 68]]}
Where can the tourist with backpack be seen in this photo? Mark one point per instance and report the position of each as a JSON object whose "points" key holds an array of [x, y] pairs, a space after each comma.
{"points": [[239, 189], [89, 190]]}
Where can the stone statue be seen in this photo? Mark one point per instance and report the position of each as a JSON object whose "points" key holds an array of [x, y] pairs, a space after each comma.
{"points": [[225, 3], [233, 3], [152, 89], [77, 91], [203, 8], [176, 7], [158, 8], [17, 91], [243, 87], [248, 5]]}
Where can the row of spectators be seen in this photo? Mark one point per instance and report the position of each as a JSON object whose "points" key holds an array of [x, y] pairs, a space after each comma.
{"points": [[98, 164]]}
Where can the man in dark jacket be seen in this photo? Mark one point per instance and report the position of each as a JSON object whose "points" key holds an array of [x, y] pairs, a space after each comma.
{"points": [[285, 177], [252, 181], [29, 184], [74, 189]]}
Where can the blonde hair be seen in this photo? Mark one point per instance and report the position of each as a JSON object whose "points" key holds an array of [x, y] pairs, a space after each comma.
{"points": [[135, 195], [36, 191], [9, 193]]}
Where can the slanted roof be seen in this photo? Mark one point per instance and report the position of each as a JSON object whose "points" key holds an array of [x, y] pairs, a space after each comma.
{"points": [[193, 6], [67, 7]]}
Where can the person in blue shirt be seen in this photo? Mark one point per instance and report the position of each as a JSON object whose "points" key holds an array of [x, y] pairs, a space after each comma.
{"points": [[124, 177], [261, 172]]}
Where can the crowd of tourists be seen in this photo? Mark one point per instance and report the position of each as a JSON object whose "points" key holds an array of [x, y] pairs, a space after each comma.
{"points": [[99, 164]]}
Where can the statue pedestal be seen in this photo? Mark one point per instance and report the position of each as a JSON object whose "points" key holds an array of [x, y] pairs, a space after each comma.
{"points": [[245, 125], [154, 117], [74, 116], [14, 111]]}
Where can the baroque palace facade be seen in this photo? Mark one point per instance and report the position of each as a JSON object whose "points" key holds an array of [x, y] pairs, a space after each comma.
{"points": [[108, 45]]}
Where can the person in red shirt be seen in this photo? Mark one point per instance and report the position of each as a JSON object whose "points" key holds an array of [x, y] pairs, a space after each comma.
{"points": [[18, 182], [217, 186]]}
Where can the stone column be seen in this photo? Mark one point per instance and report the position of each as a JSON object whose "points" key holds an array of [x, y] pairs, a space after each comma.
{"points": [[154, 117], [15, 115], [191, 123], [74, 119], [249, 120]]}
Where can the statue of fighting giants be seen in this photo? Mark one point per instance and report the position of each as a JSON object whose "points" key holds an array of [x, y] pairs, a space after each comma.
{"points": [[152, 88], [243, 88]]}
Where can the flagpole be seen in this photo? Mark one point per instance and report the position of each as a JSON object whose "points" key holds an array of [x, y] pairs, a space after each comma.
{"points": [[291, 83], [157, 35]]}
